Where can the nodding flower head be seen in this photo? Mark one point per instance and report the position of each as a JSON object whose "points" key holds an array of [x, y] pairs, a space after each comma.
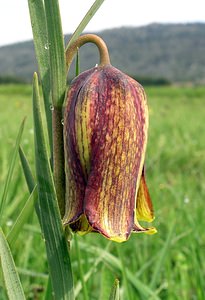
{"points": [[105, 138]]}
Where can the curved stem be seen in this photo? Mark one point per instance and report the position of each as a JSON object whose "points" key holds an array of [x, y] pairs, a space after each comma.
{"points": [[88, 38]]}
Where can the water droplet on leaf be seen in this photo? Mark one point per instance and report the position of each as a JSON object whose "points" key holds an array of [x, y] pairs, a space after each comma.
{"points": [[46, 46]]}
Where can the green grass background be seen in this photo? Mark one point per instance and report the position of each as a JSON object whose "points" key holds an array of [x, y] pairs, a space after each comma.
{"points": [[170, 262]]}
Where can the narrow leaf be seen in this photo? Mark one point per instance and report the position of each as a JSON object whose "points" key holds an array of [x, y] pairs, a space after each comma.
{"points": [[107, 277], [115, 292], [115, 263], [51, 225], [124, 272], [48, 293], [77, 64], [27, 171], [93, 269], [89, 15], [56, 51], [40, 37], [31, 273], [24, 215], [29, 178], [11, 169], [11, 277], [58, 84], [163, 254], [80, 267]]}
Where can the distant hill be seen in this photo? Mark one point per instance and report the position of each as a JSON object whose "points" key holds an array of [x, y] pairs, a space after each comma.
{"points": [[175, 52]]}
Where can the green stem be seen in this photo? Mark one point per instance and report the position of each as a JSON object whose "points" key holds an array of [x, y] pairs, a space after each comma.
{"points": [[84, 39], [58, 158]]}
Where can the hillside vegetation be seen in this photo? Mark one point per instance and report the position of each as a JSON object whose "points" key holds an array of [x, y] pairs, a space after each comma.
{"points": [[174, 52]]}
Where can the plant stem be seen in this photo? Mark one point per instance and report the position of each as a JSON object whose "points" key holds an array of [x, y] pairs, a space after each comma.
{"points": [[88, 38], [58, 158]]}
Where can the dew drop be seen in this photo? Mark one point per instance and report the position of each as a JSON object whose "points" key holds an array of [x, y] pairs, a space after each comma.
{"points": [[46, 46], [9, 223], [62, 121], [51, 107], [186, 200]]}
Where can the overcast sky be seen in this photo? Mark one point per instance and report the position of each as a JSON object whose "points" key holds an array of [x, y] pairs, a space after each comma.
{"points": [[15, 22]]}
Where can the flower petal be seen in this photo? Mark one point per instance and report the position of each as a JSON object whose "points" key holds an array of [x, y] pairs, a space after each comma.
{"points": [[118, 125], [75, 178], [81, 226], [144, 209], [139, 229]]}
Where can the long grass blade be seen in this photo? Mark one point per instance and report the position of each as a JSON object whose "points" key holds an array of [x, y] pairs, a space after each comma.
{"points": [[40, 37], [11, 169], [11, 277], [51, 225], [24, 215], [116, 265], [58, 84], [80, 267], [29, 178], [106, 280], [31, 273], [27, 170], [124, 273], [56, 51], [89, 15], [162, 256], [115, 292], [48, 293], [91, 272]]}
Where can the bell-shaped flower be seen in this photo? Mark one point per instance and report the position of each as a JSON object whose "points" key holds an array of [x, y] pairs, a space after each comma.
{"points": [[105, 138]]}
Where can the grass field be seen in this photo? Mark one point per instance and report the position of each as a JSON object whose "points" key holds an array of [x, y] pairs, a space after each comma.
{"points": [[168, 265]]}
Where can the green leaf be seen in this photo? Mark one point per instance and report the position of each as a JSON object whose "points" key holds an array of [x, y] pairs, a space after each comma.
{"points": [[93, 269], [107, 277], [77, 64], [31, 273], [115, 264], [11, 169], [163, 254], [48, 293], [80, 267], [27, 170], [91, 12], [56, 51], [51, 225], [40, 37], [115, 292], [58, 84], [11, 277], [22, 218], [29, 177], [124, 272]]}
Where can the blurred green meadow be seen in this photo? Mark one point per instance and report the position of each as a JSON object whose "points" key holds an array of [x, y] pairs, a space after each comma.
{"points": [[168, 265]]}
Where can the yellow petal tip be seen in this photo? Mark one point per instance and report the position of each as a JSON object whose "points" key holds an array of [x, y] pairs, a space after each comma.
{"points": [[118, 239], [151, 230]]}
